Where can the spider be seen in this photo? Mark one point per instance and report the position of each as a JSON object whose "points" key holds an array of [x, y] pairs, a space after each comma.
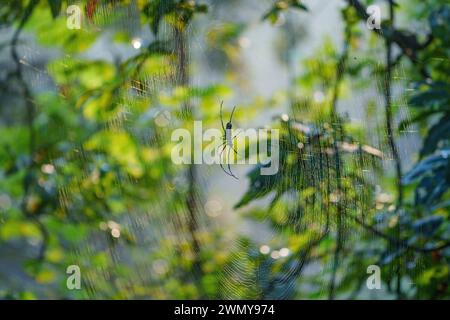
{"points": [[227, 142]]}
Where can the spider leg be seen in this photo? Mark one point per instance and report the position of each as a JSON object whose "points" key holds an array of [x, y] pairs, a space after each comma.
{"points": [[231, 117], [221, 119], [229, 168], [236, 135], [233, 139], [220, 158], [220, 162], [221, 152]]}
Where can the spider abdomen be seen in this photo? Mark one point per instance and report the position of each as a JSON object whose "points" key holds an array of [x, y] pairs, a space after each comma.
{"points": [[228, 137]]}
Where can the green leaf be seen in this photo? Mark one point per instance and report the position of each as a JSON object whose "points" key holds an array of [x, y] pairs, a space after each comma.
{"points": [[428, 225], [433, 162], [272, 13], [439, 25], [437, 133], [260, 186], [157, 46], [157, 10], [404, 124], [433, 172], [55, 7], [300, 6], [430, 189], [437, 96]]}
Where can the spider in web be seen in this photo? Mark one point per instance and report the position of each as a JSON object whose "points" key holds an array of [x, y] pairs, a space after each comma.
{"points": [[227, 142]]}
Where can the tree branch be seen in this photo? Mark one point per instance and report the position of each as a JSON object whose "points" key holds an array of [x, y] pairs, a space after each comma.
{"points": [[407, 42], [30, 107], [337, 130]]}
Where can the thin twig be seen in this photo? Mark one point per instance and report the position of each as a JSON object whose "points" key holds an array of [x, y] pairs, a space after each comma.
{"points": [[191, 200], [337, 130], [395, 241], [30, 107], [390, 133]]}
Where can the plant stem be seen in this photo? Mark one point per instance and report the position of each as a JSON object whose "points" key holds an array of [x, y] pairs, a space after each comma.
{"points": [[191, 200], [391, 139], [30, 115], [337, 135]]}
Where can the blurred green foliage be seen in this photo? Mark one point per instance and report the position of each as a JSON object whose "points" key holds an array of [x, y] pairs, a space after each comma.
{"points": [[87, 179]]}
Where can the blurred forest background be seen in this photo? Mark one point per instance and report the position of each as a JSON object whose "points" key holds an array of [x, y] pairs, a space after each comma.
{"points": [[86, 176]]}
